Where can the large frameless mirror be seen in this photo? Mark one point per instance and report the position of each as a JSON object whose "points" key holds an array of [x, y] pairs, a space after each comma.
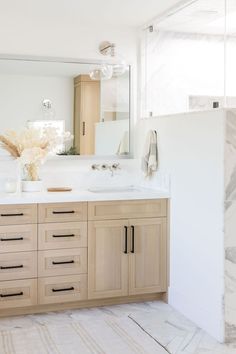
{"points": [[92, 101]]}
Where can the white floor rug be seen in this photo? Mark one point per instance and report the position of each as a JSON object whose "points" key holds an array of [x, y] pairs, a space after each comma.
{"points": [[146, 328]]}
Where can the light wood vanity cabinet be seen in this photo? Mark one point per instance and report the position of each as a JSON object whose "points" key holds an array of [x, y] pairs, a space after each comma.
{"points": [[69, 252], [62, 255], [17, 238], [18, 255], [18, 214], [62, 212], [148, 255], [127, 256], [107, 262]]}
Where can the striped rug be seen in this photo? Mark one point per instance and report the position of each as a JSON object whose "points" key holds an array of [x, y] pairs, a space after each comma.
{"points": [[68, 335]]}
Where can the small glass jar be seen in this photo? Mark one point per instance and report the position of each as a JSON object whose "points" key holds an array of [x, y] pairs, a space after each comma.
{"points": [[11, 186]]}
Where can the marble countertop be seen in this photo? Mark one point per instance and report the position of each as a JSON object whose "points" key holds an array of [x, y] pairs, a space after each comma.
{"points": [[82, 196]]}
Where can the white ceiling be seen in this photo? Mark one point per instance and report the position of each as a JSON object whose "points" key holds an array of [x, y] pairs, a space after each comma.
{"points": [[202, 16], [115, 13]]}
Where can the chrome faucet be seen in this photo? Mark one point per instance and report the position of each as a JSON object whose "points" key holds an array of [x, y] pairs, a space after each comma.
{"points": [[103, 167], [114, 167]]}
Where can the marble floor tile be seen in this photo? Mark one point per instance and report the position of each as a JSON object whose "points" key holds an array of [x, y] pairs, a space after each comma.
{"points": [[145, 328]]}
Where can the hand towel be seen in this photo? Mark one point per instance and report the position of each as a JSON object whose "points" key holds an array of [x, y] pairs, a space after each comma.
{"points": [[150, 154]]}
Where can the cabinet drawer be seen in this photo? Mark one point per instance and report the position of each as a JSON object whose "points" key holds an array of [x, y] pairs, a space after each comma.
{"points": [[62, 262], [62, 289], [62, 212], [62, 235], [18, 238], [18, 214], [18, 293], [127, 209], [19, 265]]}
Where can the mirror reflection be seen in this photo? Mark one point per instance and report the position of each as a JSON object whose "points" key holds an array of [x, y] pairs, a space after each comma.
{"points": [[89, 100]]}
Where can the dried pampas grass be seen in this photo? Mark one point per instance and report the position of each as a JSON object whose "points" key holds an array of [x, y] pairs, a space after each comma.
{"points": [[8, 146]]}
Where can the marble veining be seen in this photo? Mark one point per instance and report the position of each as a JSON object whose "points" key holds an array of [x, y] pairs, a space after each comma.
{"points": [[230, 156], [230, 227], [144, 328], [230, 254]]}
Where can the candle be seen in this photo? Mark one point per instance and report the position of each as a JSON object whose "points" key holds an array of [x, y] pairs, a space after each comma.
{"points": [[10, 186]]}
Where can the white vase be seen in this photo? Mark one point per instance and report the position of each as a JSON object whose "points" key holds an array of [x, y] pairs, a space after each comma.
{"points": [[32, 186], [18, 176]]}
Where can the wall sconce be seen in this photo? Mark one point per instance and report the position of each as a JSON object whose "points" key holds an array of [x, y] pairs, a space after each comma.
{"points": [[107, 71], [107, 48]]}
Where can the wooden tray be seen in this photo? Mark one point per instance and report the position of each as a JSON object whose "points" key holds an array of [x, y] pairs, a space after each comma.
{"points": [[59, 189]]}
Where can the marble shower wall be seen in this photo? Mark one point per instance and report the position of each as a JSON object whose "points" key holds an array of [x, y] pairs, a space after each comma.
{"points": [[230, 227]]}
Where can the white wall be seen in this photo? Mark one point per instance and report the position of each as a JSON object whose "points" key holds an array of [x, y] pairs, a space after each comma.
{"points": [[65, 40], [191, 149], [21, 99]]}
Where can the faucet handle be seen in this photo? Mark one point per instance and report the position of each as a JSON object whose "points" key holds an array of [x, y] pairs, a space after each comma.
{"points": [[104, 167], [95, 167], [116, 166]]}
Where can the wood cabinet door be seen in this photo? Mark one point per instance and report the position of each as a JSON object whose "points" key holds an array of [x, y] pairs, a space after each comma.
{"points": [[86, 113], [147, 257], [107, 259], [90, 114]]}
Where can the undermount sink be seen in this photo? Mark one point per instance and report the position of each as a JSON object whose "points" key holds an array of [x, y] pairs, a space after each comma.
{"points": [[114, 189]]}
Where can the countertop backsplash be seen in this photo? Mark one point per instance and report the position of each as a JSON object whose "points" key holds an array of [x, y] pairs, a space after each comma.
{"points": [[78, 174]]}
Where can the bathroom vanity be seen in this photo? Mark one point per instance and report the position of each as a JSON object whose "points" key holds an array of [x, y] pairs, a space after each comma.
{"points": [[67, 254]]}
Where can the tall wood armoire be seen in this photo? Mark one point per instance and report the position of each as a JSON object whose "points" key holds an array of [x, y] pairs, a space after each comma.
{"points": [[86, 113]]}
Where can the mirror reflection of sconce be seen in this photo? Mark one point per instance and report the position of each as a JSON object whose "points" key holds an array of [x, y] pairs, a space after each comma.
{"points": [[48, 110], [47, 104], [107, 71], [104, 72]]}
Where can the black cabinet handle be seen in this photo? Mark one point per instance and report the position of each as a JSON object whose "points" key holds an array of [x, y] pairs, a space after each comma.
{"points": [[12, 267], [64, 212], [126, 239], [18, 214], [63, 262], [63, 289], [69, 235], [12, 239], [14, 294], [132, 239]]}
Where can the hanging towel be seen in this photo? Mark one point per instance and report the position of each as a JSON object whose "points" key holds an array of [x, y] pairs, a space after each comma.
{"points": [[150, 154], [123, 148]]}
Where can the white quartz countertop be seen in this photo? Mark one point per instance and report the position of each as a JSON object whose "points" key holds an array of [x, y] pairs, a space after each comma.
{"points": [[82, 196]]}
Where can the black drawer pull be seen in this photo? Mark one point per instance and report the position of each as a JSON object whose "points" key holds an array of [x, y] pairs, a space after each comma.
{"points": [[126, 240], [12, 267], [14, 294], [18, 214], [70, 235], [63, 262], [63, 289], [12, 239], [64, 212], [132, 239]]}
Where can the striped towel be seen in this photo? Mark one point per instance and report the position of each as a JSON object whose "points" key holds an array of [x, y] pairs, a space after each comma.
{"points": [[150, 154]]}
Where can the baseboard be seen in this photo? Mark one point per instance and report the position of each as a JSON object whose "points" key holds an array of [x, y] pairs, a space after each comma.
{"points": [[80, 304], [202, 317]]}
